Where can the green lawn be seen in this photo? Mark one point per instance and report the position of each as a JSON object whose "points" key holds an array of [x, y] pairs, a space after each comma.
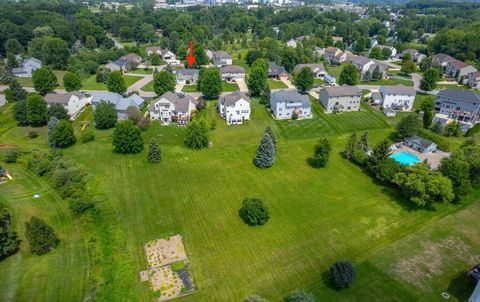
{"points": [[27, 82], [226, 87], [419, 98], [274, 84], [318, 216], [142, 71], [390, 81], [90, 83]]}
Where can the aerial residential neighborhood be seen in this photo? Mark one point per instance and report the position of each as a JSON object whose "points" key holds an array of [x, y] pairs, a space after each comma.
{"points": [[240, 151]]}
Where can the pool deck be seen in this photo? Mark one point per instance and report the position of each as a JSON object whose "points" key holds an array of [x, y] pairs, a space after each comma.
{"points": [[433, 158]]}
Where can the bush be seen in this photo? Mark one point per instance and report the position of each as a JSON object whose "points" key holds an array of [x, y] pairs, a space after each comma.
{"points": [[105, 116], [87, 136], [11, 155], [79, 206], [62, 135], [197, 134], [9, 241], [41, 237], [127, 138], [321, 154], [254, 211], [342, 274], [299, 295], [32, 134], [255, 298]]}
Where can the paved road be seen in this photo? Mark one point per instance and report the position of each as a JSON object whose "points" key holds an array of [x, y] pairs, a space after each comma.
{"points": [[116, 42]]}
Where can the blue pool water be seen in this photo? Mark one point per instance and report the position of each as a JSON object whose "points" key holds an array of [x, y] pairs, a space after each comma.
{"points": [[405, 158]]}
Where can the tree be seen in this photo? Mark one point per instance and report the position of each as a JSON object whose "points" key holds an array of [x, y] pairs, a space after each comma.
{"points": [[72, 81], [11, 60], [255, 298], [210, 83], [471, 154], [257, 80], [134, 114], [386, 53], [427, 108], [163, 82], [350, 146], [6, 75], [52, 122], [342, 274], [154, 152], [9, 241], [437, 127], [105, 115], [13, 46], [452, 129], [376, 53], [254, 211], [127, 138], [349, 75], [408, 67], [299, 295], [379, 154], [304, 80], [41, 237], [265, 155], [197, 134], [36, 110], [90, 42], [377, 74], [58, 111], [62, 135], [429, 80], [252, 56], [270, 132], [363, 143], [116, 83], [408, 126], [155, 59], [407, 57], [20, 112], [320, 154], [458, 171], [265, 96], [44, 80], [17, 93]]}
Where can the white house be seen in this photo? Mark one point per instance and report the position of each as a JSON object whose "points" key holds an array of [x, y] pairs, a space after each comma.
{"points": [[173, 108], [219, 58], [288, 104], [234, 107], [73, 102], [231, 73], [165, 54], [318, 69], [27, 68], [398, 97], [120, 103], [292, 43]]}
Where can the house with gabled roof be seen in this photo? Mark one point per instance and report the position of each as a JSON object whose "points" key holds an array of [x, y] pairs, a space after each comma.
{"points": [[441, 60], [173, 108], [187, 76], [166, 55], [473, 79], [231, 73], [118, 101], [340, 98], [458, 69], [219, 58], [415, 54], [27, 67], [234, 107], [289, 104], [276, 71], [397, 97], [462, 106], [133, 59], [318, 69], [119, 65], [334, 55], [73, 102]]}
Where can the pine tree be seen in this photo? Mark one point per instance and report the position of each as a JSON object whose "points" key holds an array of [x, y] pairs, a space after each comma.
{"points": [[377, 74], [154, 152], [51, 124], [265, 155], [269, 131], [350, 147], [363, 144]]}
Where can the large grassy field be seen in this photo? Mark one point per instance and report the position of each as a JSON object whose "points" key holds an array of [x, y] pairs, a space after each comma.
{"points": [[318, 216], [27, 82]]}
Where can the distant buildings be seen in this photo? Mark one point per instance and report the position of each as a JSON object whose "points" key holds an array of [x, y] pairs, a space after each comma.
{"points": [[398, 97], [473, 80], [318, 69], [391, 48], [118, 101], [441, 60], [165, 54], [415, 54], [234, 108], [219, 58], [172, 108], [27, 68], [458, 69], [334, 55], [457, 105], [367, 67], [119, 65], [340, 98], [73, 102], [289, 104]]}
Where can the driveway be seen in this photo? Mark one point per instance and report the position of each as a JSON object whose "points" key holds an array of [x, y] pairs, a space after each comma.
{"points": [[242, 86], [288, 83], [139, 84]]}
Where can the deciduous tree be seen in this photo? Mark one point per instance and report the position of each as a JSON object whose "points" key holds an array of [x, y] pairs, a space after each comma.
{"points": [[44, 80], [304, 80], [349, 75], [127, 138], [41, 237], [116, 82], [105, 115], [164, 81]]}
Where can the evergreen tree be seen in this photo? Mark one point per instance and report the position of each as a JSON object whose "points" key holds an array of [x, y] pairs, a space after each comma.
{"points": [[363, 143], [408, 126], [154, 152], [36, 110], [265, 96], [299, 296], [62, 135], [265, 156], [427, 108], [350, 147], [105, 115], [50, 125], [127, 138], [197, 134], [17, 93], [270, 132], [6, 75], [163, 82], [9, 241], [20, 112], [44, 80], [40, 236], [304, 80], [342, 273], [116, 83]]}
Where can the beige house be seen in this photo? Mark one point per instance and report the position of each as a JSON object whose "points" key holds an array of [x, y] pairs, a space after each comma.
{"points": [[340, 98]]}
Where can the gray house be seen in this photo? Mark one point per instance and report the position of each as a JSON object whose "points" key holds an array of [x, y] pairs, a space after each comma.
{"points": [[276, 71], [120, 103], [462, 106], [287, 104], [27, 68], [3, 100], [340, 98], [119, 65], [187, 76], [232, 72], [420, 144], [317, 69]]}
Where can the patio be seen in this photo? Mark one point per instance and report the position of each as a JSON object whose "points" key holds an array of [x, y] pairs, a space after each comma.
{"points": [[431, 158]]}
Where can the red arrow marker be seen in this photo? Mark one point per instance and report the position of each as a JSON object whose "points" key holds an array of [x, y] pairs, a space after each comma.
{"points": [[190, 57]]}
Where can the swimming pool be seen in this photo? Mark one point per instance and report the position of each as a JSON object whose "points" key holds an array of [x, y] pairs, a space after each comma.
{"points": [[405, 158]]}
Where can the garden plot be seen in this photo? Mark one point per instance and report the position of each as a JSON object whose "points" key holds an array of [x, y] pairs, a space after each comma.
{"points": [[167, 268]]}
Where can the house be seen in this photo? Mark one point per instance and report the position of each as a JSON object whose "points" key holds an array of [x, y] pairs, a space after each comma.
{"points": [[119, 65], [276, 71], [318, 51], [219, 58], [367, 66], [234, 107], [420, 144], [397, 97], [441, 60], [473, 79], [415, 54], [340, 98], [289, 104], [392, 49], [334, 55], [165, 54], [337, 39], [292, 43], [119, 102], [462, 106], [73, 102], [27, 68], [133, 59], [458, 69], [317, 69], [173, 108], [231, 73], [3, 100], [187, 76], [389, 112]]}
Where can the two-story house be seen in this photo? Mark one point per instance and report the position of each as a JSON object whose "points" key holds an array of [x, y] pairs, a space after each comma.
{"points": [[234, 107], [334, 55], [74, 102], [219, 58], [120, 103], [396, 97], [276, 71], [458, 69], [119, 65], [473, 80], [173, 108], [289, 104], [318, 69], [367, 66], [462, 106], [165, 54], [340, 98], [232, 72]]}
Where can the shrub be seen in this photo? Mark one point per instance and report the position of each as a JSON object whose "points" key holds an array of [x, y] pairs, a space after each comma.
{"points": [[62, 135], [11, 155], [299, 295], [9, 241], [320, 154], [255, 298], [32, 134], [342, 273], [87, 136], [154, 152], [254, 211], [127, 138], [79, 206], [41, 237]]}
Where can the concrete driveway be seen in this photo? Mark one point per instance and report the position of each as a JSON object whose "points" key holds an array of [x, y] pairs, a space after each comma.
{"points": [[242, 86]]}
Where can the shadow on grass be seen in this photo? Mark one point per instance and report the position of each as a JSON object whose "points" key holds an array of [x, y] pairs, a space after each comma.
{"points": [[461, 287]]}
